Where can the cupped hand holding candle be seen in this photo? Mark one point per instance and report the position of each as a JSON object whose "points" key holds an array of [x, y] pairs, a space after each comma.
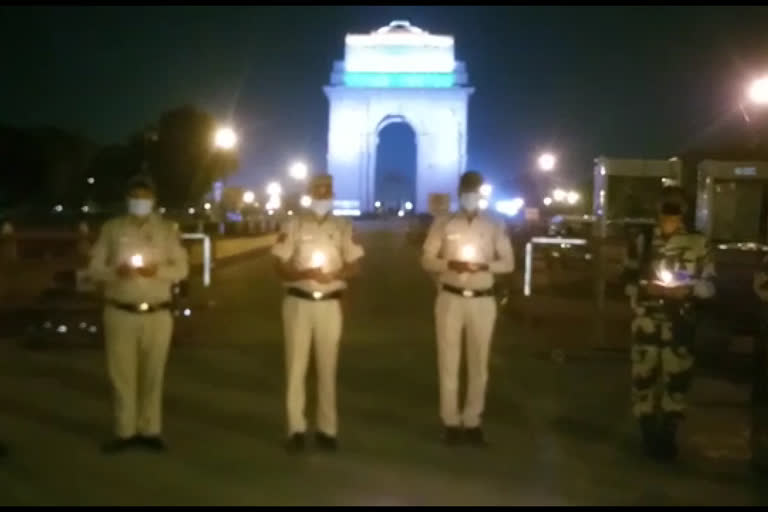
{"points": [[318, 259], [137, 261], [468, 253]]}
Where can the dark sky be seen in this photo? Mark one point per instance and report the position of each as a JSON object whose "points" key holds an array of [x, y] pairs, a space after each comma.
{"points": [[624, 81]]}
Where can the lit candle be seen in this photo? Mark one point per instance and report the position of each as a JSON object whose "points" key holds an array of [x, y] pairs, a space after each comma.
{"points": [[468, 253], [137, 260], [318, 259], [666, 278]]}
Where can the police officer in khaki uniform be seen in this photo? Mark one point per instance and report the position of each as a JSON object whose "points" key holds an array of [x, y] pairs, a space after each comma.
{"points": [[465, 249], [138, 257], [316, 254]]}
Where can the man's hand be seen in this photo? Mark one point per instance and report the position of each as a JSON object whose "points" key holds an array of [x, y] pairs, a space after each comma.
{"points": [[460, 266], [667, 292], [147, 271], [322, 277], [125, 271]]}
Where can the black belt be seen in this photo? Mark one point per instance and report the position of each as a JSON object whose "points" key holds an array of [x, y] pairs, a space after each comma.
{"points": [[140, 308], [470, 294], [303, 294]]}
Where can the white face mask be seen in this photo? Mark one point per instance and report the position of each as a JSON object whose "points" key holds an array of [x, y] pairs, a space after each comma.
{"points": [[140, 207], [469, 201], [321, 207]]}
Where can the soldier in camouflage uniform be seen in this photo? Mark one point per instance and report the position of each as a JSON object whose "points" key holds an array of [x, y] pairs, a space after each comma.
{"points": [[665, 270]]}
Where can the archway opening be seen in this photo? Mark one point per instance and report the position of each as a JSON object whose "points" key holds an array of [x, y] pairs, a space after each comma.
{"points": [[395, 183]]}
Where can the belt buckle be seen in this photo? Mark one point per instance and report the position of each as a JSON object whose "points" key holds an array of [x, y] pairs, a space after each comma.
{"points": [[467, 293], [317, 295]]}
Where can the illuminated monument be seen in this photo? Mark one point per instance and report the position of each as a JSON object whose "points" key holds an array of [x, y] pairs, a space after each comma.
{"points": [[398, 73]]}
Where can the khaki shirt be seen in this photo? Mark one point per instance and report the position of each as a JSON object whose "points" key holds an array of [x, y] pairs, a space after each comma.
{"points": [[304, 235], [159, 243], [481, 240]]}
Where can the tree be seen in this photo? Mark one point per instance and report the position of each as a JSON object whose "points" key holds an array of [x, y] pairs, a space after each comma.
{"points": [[180, 155]]}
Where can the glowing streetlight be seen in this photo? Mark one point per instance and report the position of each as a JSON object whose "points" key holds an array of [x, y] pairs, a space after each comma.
{"points": [[305, 201], [572, 197], [559, 195], [298, 171], [377, 204], [274, 189], [249, 197], [547, 201], [547, 162], [408, 205], [225, 138], [486, 190], [91, 180], [757, 91], [482, 203], [207, 206]]}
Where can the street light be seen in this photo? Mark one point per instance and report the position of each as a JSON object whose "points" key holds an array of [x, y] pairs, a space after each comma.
{"points": [[225, 138], [298, 171], [305, 201], [486, 190], [758, 91], [547, 162], [249, 197], [274, 189]]}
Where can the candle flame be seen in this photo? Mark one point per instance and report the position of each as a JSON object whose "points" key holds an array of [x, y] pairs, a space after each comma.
{"points": [[468, 252], [318, 259], [137, 260]]}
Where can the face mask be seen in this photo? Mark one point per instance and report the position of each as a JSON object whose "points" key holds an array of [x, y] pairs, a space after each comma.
{"points": [[469, 201], [321, 207], [140, 207]]}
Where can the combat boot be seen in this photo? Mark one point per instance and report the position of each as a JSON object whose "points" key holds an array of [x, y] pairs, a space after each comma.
{"points": [[650, 433], [668, 437]]}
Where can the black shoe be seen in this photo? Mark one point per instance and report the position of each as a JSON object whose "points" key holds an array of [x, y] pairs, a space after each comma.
{"points": [[325, 442], [295, 443], [152, 443], [118, 445], [452, 436], [475, 436], [668, 437], [650, 433]]}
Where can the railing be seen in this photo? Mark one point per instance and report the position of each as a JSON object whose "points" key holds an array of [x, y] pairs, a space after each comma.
{"points": [[543, 240], [207, 256]]}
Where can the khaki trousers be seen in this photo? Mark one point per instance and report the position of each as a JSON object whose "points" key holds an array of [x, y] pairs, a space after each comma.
{"points": [[137, 351], [453, 316], [308, 322]]}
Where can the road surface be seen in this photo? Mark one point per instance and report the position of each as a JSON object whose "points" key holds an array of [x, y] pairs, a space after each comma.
{"points": [[560, 432]]}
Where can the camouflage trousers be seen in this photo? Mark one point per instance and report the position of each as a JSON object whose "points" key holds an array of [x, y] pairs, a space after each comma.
{"points": [[662, 363]]}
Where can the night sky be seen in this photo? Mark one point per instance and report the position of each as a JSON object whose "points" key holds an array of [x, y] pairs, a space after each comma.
{"points": [[621, 81]]}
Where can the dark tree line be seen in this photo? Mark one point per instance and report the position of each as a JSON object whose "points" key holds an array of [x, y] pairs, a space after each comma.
{"points": [[44, 166]]}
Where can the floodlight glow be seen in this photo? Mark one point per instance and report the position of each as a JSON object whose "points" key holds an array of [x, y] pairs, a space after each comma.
{"points": [[207, 206], [547, 201], [758, 91], [274, 189], [346, 212], [408, 205], [191, 211], [482, 203], [573, 197], [400, 80], [377, 204], [547, 161], [510, 207], [486, 190], [225, 138], [305, 201], [400, 213], [559, 195], [91, 180], [298, 171]]}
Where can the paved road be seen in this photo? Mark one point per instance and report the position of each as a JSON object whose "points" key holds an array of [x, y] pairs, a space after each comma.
{"points": [[560, 433]]}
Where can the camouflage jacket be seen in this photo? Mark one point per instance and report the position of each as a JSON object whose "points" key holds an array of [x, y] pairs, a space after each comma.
{"points": [[685, 255]]}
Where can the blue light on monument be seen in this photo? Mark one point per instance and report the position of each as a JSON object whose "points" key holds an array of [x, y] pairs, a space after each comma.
{"points": [[399, 80]]}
